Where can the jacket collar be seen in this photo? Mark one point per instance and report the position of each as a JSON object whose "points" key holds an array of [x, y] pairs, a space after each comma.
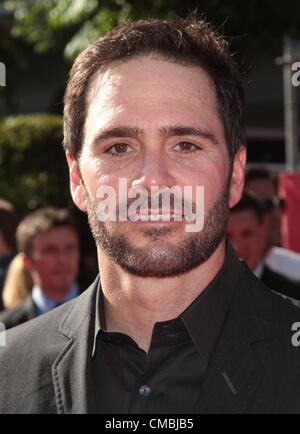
{"points": [[71, 369]]}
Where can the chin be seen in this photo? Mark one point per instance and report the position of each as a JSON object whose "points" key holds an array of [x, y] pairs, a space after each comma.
{"points": [[62, 287]]}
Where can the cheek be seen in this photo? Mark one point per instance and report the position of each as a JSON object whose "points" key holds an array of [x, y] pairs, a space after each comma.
{"points": [[213, 184], [94, 177], [74, 260], [254, 247], [45, 265]]}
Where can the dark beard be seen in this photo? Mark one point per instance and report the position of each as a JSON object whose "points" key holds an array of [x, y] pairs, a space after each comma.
{"points": [[169, 261]]}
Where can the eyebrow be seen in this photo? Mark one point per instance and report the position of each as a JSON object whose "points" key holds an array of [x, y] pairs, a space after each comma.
{"points": [[178, 130], [175, 130]]}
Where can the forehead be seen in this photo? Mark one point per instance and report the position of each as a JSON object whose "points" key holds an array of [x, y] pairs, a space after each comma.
{"points": [[58, 236], [152, 72], [241, 219], [150, 91], [263, 188]]}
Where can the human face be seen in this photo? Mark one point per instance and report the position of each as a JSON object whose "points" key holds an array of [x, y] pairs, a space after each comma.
{"points": [[54, 260], [156, 123], [249, 236], [265, 189]]}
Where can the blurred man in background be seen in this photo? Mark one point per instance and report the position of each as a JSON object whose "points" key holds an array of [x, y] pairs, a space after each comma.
{"points": [[8, 225], [48, 238], [264, 186], [248, 230]]}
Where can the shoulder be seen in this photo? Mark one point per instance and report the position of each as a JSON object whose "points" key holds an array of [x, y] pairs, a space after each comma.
{"points": [[28, 352], [281, 284], [31, 342], [270, 311], [18, 315], [263, 298], [42, 331]]}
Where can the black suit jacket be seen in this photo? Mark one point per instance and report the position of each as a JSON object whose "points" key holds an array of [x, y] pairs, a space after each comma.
{"points": [[280, 283], [255, 368]]}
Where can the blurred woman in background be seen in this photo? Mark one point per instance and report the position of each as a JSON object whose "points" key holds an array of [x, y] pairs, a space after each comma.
{"points": [[18, 283]]}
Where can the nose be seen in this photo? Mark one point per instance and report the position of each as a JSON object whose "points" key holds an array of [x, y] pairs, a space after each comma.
{"points": [[62, 257], [154, 171]]}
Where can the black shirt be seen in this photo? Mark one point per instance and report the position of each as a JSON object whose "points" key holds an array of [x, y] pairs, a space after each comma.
{"points": [[169, 378]]}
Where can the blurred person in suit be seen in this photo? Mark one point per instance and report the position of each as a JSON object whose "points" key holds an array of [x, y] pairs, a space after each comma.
{"points": [[264, 185], [248, 230], [18, 283], [49, 241], [8, 225]]}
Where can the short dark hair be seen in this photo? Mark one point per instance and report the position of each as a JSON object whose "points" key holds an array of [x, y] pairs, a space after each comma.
{"points": [[40, 221], [260, 174], [8, 223], [249, 202], [186, 41]]}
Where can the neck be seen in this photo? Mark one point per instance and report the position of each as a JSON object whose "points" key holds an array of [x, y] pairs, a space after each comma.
{"points": [[134, 304], [55, 294]]}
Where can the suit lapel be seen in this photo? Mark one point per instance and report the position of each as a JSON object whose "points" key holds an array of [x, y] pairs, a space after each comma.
{"points": [[235, 372], [232, 379], [71, 371]]}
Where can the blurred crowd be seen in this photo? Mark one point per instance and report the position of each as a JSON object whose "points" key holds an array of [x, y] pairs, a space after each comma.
{"points": [[40, 255]]}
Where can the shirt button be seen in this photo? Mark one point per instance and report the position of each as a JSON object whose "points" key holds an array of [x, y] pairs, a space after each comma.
{"points": [[144, 390]]}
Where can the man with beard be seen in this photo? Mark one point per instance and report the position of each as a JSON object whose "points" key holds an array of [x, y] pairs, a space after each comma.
{"points": [[174, 323]]}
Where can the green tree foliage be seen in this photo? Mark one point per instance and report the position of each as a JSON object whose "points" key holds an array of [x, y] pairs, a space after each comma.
{"points": [[33, 170], [69, 25], [13, 56]]}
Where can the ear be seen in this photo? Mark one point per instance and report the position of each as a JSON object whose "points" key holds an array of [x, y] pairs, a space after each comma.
{"points": [[76, 186], [237, 176], [27, 262]]}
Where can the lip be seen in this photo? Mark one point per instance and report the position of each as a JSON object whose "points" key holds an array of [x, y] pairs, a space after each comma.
{"points": [[156, 217], [62, 272], [150, 212], [158, 222]]}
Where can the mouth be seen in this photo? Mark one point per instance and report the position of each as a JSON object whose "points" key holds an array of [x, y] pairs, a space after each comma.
{"points": [[156, 216]]}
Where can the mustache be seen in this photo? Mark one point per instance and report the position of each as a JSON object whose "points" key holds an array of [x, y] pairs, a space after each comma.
{"points": [[160, 204]]}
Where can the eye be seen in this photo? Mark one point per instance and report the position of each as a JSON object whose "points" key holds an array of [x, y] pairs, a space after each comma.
{"points": [[186, 147], [118, 149]]}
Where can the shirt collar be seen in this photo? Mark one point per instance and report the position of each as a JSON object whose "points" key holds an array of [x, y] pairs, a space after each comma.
{"points": [[44, 303], [259, 269], [204, 317]]}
